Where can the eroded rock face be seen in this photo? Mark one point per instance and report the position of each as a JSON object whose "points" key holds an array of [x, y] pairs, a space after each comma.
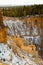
{"points": [[32, 34], [28, 33], [3, 29], [3, 35], [17, 42], [14, 53]]}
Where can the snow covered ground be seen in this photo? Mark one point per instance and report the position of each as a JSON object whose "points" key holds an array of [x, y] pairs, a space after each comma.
{"points": [[8, 56]]}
